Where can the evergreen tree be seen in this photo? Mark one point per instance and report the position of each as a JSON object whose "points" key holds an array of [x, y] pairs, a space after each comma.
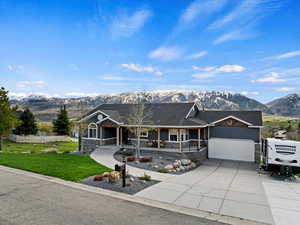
{"points": [[28, 124], [298, 129], [61, 125], [8, 116]]}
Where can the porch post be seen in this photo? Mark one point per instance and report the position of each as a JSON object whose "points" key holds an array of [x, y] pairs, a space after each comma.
{"points": [[180, 141], [118, 136], [121, 134], [158, 138], [199, 138]]}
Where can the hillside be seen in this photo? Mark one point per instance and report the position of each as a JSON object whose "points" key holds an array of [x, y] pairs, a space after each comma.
{"points": [[45, 108], [286, 106]]}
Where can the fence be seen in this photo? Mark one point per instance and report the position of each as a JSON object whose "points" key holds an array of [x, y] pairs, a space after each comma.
{"points": [[38, 139]]}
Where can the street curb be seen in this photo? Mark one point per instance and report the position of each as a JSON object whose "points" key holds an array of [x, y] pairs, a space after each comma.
{"points": [[136, 199]]}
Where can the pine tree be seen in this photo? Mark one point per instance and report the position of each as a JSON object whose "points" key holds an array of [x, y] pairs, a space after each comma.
{"points": [[61, 125], [28, 124], [8, 116]]}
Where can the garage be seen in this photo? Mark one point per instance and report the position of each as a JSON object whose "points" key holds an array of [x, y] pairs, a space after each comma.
{"points": [[231, 149]]}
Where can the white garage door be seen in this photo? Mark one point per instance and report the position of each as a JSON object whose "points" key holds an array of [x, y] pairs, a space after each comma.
{"points": [[233, 149]]}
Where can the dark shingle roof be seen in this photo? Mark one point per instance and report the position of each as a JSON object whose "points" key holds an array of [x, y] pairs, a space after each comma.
{"points": [[253, 117], [173, 114]]}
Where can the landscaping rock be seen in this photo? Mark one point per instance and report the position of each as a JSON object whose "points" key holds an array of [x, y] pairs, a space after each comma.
{"points": [[105, 174], [114, 177], [131, 179], [169, 167], [181, 168], [185, 162], [98, 178], [193, 165]]}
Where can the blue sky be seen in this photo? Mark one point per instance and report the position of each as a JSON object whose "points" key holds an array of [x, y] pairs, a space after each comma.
{"points": [[89, 47]]}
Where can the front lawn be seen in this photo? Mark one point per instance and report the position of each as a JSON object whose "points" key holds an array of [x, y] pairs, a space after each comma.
{"points": [[9, 146], [65, 166]]}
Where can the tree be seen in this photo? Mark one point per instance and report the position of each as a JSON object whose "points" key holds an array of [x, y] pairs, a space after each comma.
{"points": [[28, 124], [61, 125], [8, 116], [298, 129], [140, 115]]}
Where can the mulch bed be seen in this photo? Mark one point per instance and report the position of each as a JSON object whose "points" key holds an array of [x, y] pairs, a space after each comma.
{"points": [[134, 186]]}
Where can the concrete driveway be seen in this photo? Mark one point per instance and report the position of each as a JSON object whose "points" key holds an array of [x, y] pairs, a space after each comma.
{"points": [[223, 187]]}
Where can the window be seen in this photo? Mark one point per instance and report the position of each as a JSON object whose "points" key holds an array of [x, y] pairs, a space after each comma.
{"points": [[92, 130], [144, 133], [173, 135]]}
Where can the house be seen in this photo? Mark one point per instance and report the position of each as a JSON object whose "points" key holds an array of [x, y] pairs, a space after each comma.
{"points": [[178, 127]]}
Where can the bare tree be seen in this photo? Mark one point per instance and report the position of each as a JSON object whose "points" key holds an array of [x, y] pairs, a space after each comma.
{"points": [[140, 115]]}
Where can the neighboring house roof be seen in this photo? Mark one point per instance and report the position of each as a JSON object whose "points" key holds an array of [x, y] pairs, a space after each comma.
{"points": [[175, 114]]}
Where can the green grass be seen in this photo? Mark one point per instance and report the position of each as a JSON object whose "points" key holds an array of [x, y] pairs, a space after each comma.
{"points": [[65, 166], [273, 118], [12, 147]]}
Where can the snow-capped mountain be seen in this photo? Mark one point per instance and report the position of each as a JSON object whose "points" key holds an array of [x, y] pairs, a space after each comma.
{"points": [[46, 108], [286, 106]]}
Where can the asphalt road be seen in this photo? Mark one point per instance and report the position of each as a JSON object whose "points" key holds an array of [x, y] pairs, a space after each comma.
{"points": [[30, 201]]}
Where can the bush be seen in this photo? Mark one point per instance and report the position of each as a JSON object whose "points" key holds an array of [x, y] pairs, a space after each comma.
{"points": [[146, 159], [145, 177], [163, 170], [130, 159]]}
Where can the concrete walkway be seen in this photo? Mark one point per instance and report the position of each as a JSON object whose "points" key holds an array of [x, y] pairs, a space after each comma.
{"points": [[223, 187], [284, 200], [104, 155]]}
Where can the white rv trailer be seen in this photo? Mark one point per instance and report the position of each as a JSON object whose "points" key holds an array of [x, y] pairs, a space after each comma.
{"points": [[281, 152]]}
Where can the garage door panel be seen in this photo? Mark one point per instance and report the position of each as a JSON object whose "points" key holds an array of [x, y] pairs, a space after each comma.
{"points": [[232, 149]]}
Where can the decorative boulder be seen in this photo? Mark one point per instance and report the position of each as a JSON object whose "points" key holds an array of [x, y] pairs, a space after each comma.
{"points": [[169, 167], [176, 164], [193, 165], [185, 162], [114, 177], [181, 168], [105, 174], [98, 178]]}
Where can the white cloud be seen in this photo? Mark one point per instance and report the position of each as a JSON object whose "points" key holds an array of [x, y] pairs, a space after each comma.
{"points": [[203, 75], [240, 23], [211, 71], [197, 55], [272, 78], [111, 77], [246, 12], [285, 55], [285, 89], [15, 68], [80, 94], [200, 8], [25, 84], [140, 69], [231, 69], [250, 93], [125, 25], [238, 34], [164, 53]]}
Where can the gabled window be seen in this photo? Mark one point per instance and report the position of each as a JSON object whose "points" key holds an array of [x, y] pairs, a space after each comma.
{"points": [[92, 130]]}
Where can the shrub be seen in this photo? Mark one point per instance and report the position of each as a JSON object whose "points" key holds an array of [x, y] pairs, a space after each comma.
{"points": [[145, 177], [163, 170], [130, 159], [146, 159]]}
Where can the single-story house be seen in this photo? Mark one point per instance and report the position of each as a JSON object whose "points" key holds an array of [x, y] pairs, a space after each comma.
{"points": [[178, 127]]}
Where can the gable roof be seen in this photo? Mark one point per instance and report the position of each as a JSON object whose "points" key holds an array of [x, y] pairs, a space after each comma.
{"points": [[175, 114], [252, 117]]}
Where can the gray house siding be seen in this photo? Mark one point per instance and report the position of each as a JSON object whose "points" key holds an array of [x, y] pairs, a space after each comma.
{"points": [[235, 133]]}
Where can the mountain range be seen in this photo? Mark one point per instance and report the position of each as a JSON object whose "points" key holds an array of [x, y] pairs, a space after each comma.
{"points": [[45, 109]]}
